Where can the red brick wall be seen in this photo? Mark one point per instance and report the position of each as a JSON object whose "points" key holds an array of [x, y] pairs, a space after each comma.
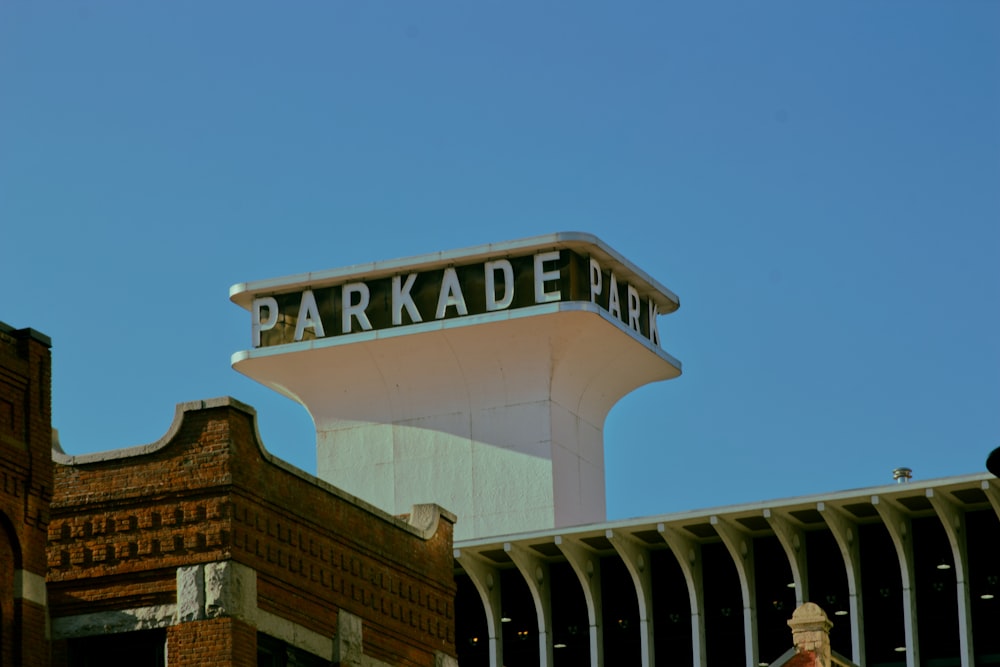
{"points": [[219, 642], [340, 555], [804, 659], [121, 526], [35, 647], [25, 488]]}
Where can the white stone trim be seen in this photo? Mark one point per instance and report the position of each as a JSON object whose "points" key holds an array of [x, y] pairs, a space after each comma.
{"points": [[226, 589], [294, 634], [444, 660], [30, 586], [111, 622]]}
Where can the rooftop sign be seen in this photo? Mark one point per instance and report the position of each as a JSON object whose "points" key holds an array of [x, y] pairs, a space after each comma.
{"points": [[479, 379], [556, 269]]}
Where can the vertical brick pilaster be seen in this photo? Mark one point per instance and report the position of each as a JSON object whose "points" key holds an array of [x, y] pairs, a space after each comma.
{"points": [[217, 642], [35, 646]]}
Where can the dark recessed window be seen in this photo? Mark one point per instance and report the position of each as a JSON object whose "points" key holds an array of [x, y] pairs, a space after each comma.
{"points": [[144, 648]]}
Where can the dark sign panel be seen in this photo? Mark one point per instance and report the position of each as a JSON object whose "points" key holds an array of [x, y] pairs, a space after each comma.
{"points": [[406, 299]]}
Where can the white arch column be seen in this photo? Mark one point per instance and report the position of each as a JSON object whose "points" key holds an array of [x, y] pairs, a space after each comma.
{"points": [[587, 567], [901, 532], [845, 532], [953, 520], [636, 559], [740, 548], [486, 579], [536, 574], [993, 494], [793, 541], [688, 555]]}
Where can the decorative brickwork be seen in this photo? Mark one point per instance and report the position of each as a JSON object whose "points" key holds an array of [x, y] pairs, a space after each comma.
{"points": [[25, 491], [128, 526]]}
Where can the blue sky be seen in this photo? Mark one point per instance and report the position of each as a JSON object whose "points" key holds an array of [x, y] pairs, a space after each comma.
{"points": [[818, 182]]}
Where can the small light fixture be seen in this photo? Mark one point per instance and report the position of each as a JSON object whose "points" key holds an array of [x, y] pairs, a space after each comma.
{"points": [[841, 612], [986, 596], [944, 565], [900, 649], [791, 585], [505, 619], [558, 646]]}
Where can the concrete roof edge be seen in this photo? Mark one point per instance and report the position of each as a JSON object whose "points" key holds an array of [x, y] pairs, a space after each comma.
{"points": [[861, 494]]}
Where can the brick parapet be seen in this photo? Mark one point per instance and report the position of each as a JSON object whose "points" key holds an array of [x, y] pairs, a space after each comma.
{"points": [[122, 522]]}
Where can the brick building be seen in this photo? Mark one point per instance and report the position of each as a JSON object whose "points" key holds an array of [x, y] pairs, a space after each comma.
{"points": [[202, 549], [478, 380], [484, 376], [25, 492]]}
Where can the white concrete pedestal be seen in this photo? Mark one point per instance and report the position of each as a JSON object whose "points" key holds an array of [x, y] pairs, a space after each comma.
{"points": [[498, 416]]}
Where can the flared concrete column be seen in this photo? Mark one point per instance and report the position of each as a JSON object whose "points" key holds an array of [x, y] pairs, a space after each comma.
{"points": [[535, 572], [486, 579], [845, 533], [740, 547], [477, 379], [901, 531], [793, 541], [688, 555], [587, 567], [953, 520], [636, 559]]}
